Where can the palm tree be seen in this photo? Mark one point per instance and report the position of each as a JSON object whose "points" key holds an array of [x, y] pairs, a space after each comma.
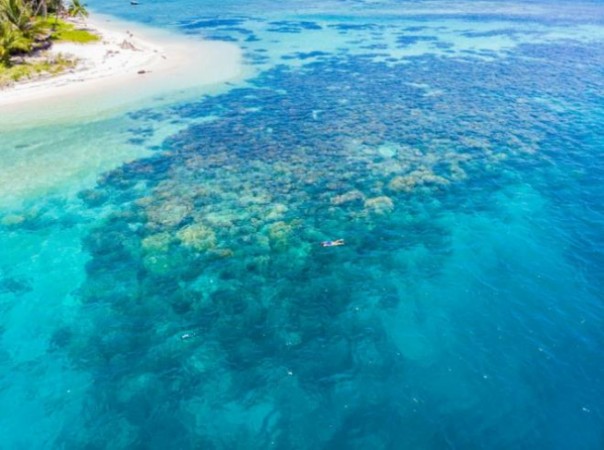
{"points": [[15, 12], [40, 8], [57, 7], [11, 41], [77, 9], [19, 15]]}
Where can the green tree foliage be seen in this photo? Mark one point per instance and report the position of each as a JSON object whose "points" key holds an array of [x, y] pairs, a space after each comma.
{"points": [[11, 41], [22, 27], [18, 15], [77, 9]]}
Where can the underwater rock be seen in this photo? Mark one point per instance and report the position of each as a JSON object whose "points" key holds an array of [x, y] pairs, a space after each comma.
{"points": [[457, 173], [379, 205], [279, 233], [258, 264], [222, 252], [276, 211], [251, 199], [144, 201], [220, 219], [401, 184], [416, 178], [159, 242], [11, 220], [160, 264], [197, 236], [261, 243], [168, 213], [93, 197], [171, 261], [348, 197]]}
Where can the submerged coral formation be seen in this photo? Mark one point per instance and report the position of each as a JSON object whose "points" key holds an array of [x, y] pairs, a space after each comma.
{"points": [[207, 274]]}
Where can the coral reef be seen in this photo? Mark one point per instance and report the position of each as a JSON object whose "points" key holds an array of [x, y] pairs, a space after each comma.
{"points": [[207, 269]]}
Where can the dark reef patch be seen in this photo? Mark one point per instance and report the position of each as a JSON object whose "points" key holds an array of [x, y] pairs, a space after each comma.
{"points": [[208, 272]]}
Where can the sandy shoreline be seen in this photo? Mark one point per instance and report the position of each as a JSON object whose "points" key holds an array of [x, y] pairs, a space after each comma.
{"points": [[130, 62], [118, 53]]}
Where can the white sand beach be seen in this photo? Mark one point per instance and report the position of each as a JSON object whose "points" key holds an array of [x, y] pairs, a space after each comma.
{"points": [[129, 63]]}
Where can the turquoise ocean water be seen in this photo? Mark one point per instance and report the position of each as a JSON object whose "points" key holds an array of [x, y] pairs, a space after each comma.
{"points": [[162, 285]]}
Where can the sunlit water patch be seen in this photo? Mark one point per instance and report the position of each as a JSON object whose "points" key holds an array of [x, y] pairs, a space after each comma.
{"points": [[451, 289], [187, 301]]}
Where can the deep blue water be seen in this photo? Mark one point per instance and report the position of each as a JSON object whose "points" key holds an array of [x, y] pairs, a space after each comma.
{"points": [[183, 301]]}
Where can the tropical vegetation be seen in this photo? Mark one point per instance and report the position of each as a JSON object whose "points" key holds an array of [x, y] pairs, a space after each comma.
{"points": [[28, 27]]}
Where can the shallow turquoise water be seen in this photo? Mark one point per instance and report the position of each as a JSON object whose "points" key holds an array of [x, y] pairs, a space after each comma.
{"points": [[164, 286]]}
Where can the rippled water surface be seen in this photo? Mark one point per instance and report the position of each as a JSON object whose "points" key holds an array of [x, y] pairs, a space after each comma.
{"points": [[162, 282]]}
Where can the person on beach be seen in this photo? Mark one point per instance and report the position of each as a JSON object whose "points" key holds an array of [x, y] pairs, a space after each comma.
{"points": [[336, 243]]}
